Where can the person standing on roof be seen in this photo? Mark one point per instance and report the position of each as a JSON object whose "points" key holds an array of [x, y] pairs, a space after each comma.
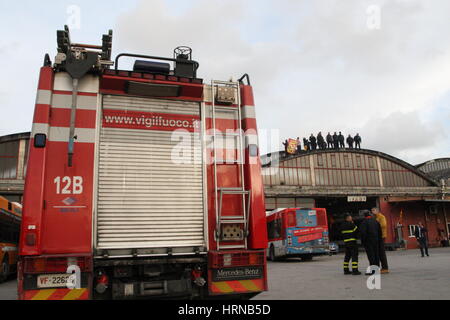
{"points": [[321, 141], [313, 141], [329, 141], [349, 233], [358, 141], [306, 144], [341, 139], [286, 145], [350, 141], [299, 145], [335, 141]]}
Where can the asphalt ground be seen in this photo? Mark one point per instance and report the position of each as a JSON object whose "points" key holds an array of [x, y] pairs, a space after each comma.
{"points": [[411, 278]]}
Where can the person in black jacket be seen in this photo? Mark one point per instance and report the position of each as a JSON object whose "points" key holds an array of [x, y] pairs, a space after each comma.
{"points": [[358, 141], [421, 236], [371, 234], [321, 141], [335, 141], [341, 139], [329, 141], [306, 144], [349, 233], [313, 142], [286, 145], [350, 141]]}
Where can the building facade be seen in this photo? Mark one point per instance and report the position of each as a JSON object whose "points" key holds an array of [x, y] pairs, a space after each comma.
{"points": [[342, 181], [13, 165], [351, 181]]}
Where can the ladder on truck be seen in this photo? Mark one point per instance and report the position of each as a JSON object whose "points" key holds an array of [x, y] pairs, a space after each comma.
{"points": [[239, 218]]}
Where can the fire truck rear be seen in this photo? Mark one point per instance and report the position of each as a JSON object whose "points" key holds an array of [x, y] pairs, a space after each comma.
{"points": [[142, 183]]}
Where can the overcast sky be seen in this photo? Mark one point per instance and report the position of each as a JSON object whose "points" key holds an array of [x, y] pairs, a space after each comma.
{"points": [[379, 68]]}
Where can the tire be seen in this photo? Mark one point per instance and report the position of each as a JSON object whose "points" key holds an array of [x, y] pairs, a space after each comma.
{"points": [[307, 257], [4, 269]]}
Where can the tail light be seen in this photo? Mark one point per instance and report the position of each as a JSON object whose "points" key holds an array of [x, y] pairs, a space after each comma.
{"points": [[197, 278], [289, 240], [102, 282], [55, 264]]}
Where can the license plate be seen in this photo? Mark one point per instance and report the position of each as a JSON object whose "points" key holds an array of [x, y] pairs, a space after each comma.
{"points": [[53, 280]]}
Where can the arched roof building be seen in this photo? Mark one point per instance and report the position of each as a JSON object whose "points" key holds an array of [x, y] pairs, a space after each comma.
{"points": [[13, 163], [437, 168], [351, 181]]}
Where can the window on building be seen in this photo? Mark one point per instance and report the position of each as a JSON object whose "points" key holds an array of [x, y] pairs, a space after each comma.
{"points": [[8, 159], [333, 161], [358, 161], [320, 160], [412, 230], [371, 163], [346, 161]]}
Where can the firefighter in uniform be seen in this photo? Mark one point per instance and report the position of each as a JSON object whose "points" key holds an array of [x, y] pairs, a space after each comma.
{"points": [[350, 234]]}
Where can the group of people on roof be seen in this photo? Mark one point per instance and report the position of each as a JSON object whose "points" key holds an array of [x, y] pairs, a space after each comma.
{"points": [[335, 141]]}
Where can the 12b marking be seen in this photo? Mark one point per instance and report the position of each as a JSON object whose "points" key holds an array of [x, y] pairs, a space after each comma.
{"points": [[69, 185]]}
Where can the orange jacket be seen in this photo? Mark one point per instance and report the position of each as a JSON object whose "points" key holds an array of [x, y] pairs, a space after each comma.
{"points": [[382, 221]]}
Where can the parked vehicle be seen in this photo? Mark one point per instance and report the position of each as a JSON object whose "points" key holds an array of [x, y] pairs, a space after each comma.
{"points": [[297, 233], [10, 217], [142, 183]]}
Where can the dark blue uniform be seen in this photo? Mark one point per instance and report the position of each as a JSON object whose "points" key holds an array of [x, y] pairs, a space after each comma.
{"points": [[350, 235]]}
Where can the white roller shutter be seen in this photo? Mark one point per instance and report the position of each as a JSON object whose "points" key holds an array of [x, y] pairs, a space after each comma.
{"points": [[145, 199]]}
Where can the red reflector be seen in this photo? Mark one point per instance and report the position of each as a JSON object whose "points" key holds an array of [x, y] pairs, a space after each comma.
{"points": [[103, 279], [30, 239], [196, 274]]}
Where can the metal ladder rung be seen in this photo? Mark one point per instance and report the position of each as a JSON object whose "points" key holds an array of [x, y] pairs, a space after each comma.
{"points": [[233, 191], [243, 246], [232, 221], [227, 161], [232, 217]]}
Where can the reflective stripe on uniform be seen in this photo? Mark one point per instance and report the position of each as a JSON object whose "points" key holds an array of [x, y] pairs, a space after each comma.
{"points": [[348, 240], [350, 231]]}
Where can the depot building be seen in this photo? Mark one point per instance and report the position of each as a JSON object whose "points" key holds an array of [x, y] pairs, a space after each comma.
{"points": [[341, 181], [352, 181]]}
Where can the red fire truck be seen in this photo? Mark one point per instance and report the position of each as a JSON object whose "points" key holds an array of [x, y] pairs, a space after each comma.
{"points": [[142, 183]]}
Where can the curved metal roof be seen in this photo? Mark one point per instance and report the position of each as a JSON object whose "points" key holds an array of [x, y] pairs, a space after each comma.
{"points": [[15, 136], [436, 168], [281, 156]]}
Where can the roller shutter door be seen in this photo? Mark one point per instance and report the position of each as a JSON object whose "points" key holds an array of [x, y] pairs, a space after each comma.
{"points": [[145, 199]]}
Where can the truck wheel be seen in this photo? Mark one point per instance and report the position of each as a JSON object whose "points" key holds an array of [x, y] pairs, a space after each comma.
{"points": [[4, 269]]}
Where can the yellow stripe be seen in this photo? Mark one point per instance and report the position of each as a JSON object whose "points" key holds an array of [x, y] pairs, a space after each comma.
{"points": [[74, 294], [223, 287], [250, 285], [44, 294], [352, 239], [350, 231]]}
